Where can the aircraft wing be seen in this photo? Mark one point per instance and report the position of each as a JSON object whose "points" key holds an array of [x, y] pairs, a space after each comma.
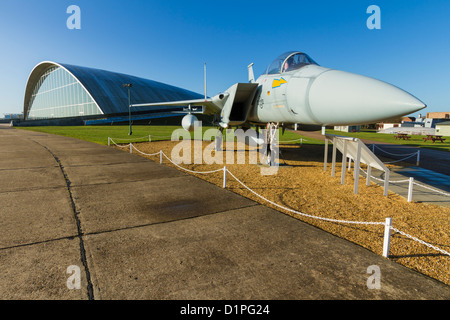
{"points": [[209, 106]]}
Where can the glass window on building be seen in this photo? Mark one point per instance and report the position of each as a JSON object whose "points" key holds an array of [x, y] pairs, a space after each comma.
{"points": [[58, 94]]}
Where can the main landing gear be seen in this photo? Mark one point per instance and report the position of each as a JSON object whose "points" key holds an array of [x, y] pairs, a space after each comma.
{"points": [[270, 147]]}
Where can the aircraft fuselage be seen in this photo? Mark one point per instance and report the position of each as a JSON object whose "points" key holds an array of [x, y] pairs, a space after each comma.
{"points": [[315, 95], [295, 89]]}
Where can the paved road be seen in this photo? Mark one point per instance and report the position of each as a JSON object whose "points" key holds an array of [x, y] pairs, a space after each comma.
{"points": [[136, 229]]}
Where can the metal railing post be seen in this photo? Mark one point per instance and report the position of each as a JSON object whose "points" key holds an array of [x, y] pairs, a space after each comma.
{"points": [[387, 237], [410, 189], [369, 174], [224, 177], [344, 162]]}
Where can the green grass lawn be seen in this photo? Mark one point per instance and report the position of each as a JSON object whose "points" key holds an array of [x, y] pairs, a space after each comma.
{"points": [[415, 140], [100, 134]]}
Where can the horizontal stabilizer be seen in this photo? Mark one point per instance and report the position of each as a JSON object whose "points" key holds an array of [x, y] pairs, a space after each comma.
{"points": [[209, 106]]}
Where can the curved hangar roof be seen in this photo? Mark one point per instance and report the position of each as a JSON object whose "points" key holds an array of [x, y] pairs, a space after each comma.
{"points": [[56, 90]]}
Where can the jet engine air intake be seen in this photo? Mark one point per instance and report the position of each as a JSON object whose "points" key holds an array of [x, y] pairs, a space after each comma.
{"points": [[238, 103]]}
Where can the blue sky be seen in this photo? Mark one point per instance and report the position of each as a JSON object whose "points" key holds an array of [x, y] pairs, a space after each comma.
{"points": [[169, 41]]}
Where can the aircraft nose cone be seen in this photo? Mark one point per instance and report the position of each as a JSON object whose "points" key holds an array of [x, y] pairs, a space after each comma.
{"points": [[347, 98]]}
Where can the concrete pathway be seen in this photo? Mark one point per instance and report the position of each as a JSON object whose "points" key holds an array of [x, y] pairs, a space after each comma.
{"points": [[135, 229]]}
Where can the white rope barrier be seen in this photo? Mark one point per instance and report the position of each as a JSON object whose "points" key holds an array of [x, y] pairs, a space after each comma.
{"points": [[399, 181], [409, 180], [421, 241], [192, 171], [401, 159], [117, 145], [152, 135], [145, 154], [409, 155], [382, 180], [432, 189], [130, 145], [301, 139], [387, 224], [395, 154], [130, 139], [163, 154], [301, 213]]}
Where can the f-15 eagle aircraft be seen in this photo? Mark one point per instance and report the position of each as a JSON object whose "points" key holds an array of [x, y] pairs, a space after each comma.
{"points": [[295, 89]]}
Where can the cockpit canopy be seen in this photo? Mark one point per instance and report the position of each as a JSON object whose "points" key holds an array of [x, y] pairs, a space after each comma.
{"points": [[289, 61]]}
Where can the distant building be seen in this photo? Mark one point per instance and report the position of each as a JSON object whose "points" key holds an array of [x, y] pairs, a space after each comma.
{"points": [[438, 115], [63, 91], [429, 122], [382, 126], [13, 116], [411, 125], [443, 128], [408, 119], [348, 128]]}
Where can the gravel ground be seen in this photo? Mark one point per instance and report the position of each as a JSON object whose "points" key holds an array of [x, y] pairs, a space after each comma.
{"points": [[302, 185]]}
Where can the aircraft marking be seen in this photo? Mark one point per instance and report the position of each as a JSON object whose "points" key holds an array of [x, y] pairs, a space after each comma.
{"points": [[278, 82]]}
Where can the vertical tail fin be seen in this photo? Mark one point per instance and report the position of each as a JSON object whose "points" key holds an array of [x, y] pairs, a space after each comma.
{"points": [[251, 76]]}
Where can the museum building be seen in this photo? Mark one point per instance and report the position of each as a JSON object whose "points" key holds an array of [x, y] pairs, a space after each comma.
{"points": [[63, 91]]}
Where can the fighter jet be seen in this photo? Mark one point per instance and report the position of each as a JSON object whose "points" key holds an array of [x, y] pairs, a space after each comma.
{"points": [[295, 89]]}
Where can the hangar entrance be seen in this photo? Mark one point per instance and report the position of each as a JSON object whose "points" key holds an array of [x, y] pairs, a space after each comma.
{"points": [[356, 150]]}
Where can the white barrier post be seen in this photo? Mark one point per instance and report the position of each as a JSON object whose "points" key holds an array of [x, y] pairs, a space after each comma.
{"points": [[357, 169], [387, 237], [224, 177], [418, 158], [109, 142], [410, 189], [344, 162], [160, 157], [333, 163], [369, 173], [386, 183], [325, 157], [131, 147]]}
